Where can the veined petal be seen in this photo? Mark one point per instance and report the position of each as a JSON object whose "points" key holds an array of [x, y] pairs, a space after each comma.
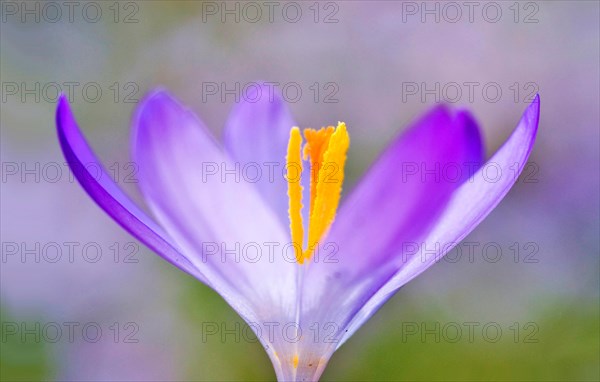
{"points": [[216, 217], [397, 201], [469, 205], [105, 192], [256, 136]]}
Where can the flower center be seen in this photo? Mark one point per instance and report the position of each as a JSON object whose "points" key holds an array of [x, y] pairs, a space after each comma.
{"points": [[326, 149]]}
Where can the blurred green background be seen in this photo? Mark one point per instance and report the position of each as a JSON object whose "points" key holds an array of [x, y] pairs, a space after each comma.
{"points": [[363, 55]]}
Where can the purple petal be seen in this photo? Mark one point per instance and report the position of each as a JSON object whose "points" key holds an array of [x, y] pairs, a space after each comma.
{"points": [[398, 201], [474, 154], [208, 209], [470, 204], [256, 136], [100, 186]]}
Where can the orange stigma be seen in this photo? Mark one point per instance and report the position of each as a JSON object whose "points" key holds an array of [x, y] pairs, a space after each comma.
{"points": [[326, 149]]}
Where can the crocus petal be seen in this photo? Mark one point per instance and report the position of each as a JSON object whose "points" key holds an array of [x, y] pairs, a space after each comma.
{"points": [[469, 205], [406, 189], [474, 150], [104, 191], [213, 214], [256, 136]]}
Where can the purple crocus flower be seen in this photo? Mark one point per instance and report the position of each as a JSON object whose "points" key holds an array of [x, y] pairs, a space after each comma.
{"points": [[303, 278]]}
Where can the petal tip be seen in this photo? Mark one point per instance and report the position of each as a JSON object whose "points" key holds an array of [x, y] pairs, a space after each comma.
{"points": [[156, 104], [62, 99], [536, 102], [62, 105], [63, 113], [158, 94], [532, 114]]}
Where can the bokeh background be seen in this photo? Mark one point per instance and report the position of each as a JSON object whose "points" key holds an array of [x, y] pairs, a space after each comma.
{"points": [[134, 317]]}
